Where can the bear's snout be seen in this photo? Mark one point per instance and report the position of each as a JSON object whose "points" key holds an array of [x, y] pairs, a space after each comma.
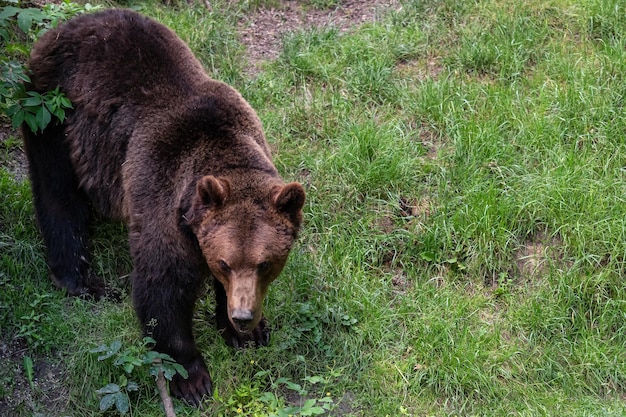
{"points": [[242, 319]]}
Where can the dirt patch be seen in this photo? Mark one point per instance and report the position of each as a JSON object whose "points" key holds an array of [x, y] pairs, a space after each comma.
{"points": [[12, 155], [415, 207], [47, 396], [401, 283], [262, 32], [421, 70], [533, 258], [433, 142]]}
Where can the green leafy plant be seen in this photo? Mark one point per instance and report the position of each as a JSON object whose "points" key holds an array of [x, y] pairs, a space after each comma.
{"points": [[37, 110], [262, 398], [131, 359], [36, 318], [19, 28], [117, 394], [310, 406]]}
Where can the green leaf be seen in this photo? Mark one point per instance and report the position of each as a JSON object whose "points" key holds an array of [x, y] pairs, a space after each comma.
{"points": [[291, 410], [313, 411], [268, 397], [60, 114], [314, 379], [261, 374], [18, 117], [150, 356], [122, 403], [309, 403], [33, 101], [25, 21], [66, 103], [4, 34], [180, 369], [147, 341], [9, 11], [428, 256], [128, 367], [99, 349], [29, 369], [29, 118], [107, 402], [295, 387], [109, 389], [310, 409], [169, 372], [43, 117]]}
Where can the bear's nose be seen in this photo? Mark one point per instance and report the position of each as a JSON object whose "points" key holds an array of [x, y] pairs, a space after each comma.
{"points": [[242, 318]]}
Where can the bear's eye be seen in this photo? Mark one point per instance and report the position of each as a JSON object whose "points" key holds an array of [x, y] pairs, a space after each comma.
{"points": [[224, 266], [263, 266]]}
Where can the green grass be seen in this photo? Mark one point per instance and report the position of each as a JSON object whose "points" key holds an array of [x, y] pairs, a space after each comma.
{"points": [[464, 249]]}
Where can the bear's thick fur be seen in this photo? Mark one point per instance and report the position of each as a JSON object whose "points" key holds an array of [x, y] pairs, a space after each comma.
{"points": [[179, 157]]}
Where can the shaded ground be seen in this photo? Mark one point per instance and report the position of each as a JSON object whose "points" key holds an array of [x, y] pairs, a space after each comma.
{"points": [[11, 153], [39, 394]]}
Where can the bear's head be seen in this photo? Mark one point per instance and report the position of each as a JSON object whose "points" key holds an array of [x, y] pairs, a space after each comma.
{"points": [[245, 234]]}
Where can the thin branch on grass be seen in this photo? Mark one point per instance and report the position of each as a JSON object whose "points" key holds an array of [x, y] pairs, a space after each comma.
{"points": [[165, 396], [166, 399]]}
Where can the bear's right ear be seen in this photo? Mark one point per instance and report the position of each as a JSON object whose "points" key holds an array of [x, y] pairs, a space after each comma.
{"points": [[211, 193]]}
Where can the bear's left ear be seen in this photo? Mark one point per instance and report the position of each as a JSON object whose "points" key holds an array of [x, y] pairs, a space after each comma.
{"points": [[289, 199]]}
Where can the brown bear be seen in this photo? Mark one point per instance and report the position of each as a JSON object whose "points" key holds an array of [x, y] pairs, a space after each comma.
{"points": [[181, 159]]}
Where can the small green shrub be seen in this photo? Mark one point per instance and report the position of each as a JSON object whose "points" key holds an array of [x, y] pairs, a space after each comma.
{"points": [[19, 28], [263, 397], [131, 359]]}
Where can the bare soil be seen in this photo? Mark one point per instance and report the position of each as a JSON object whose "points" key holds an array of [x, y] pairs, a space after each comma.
{"points": [[40, 394]]}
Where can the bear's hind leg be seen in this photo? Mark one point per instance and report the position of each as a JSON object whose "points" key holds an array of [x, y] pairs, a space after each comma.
{"points": [[259, 336], [62, 210]]}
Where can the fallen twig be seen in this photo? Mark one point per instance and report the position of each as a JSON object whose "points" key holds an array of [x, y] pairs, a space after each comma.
{"points": [[168, 405]]}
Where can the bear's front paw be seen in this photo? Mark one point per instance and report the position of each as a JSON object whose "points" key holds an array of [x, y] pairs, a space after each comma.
{"points": [[259, 336], [196, 386]]}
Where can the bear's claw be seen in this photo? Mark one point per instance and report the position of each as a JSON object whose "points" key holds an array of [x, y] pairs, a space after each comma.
{"points": [[197, 385], [259, 336]]}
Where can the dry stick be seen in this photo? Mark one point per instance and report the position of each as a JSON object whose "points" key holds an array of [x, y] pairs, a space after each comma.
{"points": [[168, 406]]}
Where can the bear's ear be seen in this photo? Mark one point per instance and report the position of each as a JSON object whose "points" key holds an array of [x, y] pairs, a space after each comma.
{"points": [[289, 199], [211, 193]]}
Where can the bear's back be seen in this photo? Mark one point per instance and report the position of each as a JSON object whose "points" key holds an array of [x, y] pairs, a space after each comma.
{"points": [[115, 54], [145, 117]]}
